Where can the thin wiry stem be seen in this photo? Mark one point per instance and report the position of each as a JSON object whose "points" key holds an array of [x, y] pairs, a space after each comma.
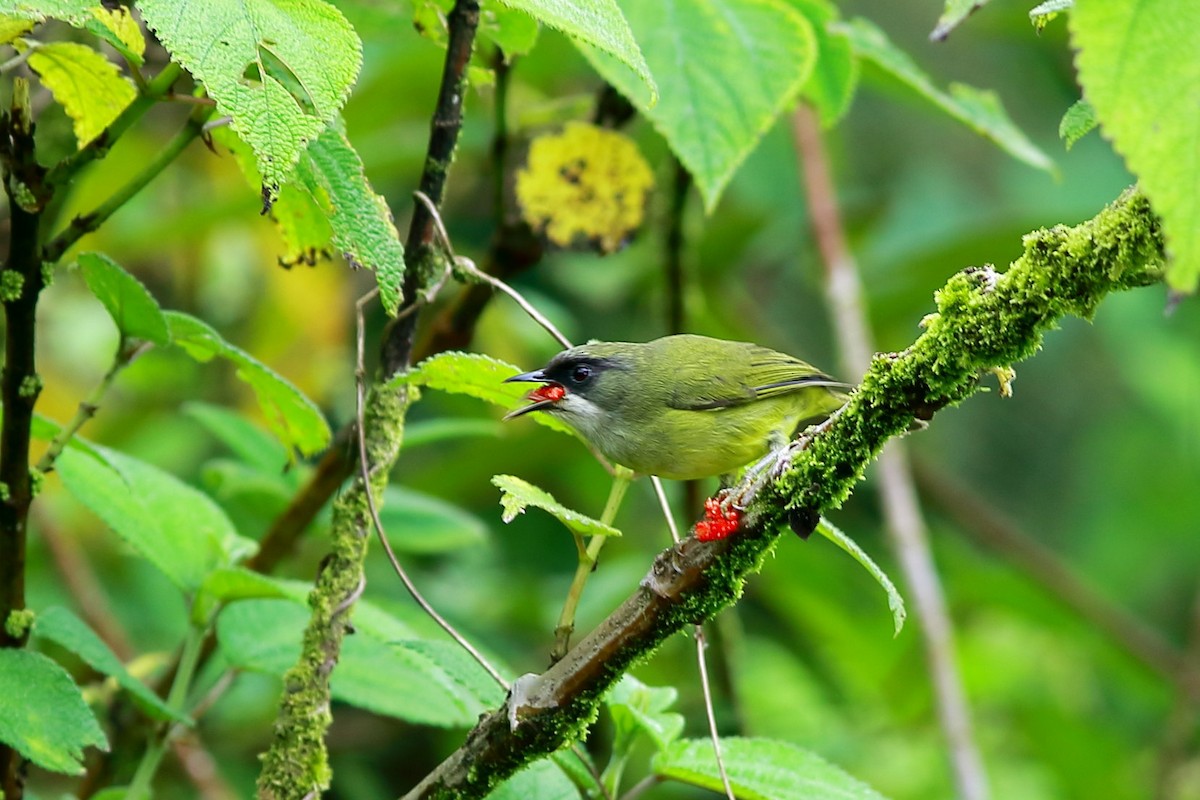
{"points": [[364, 470]]}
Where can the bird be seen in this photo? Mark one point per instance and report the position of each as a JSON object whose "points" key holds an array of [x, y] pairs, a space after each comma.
{"points": [[684, 406]]}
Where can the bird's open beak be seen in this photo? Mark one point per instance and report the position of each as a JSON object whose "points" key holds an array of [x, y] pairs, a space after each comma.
{"points": [[541, 397]]}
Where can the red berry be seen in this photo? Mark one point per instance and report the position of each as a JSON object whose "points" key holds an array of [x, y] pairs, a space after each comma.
{"points": [[551, 391], [717, 523]]}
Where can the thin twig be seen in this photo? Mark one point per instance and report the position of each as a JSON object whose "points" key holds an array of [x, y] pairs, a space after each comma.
{"points": [[701, 645], [82, 225], [900, 505], [364, 472], [467, 266], [641, 787]]}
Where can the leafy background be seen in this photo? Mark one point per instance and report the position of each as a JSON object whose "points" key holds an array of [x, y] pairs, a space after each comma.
{"points": [[1096, 457]]}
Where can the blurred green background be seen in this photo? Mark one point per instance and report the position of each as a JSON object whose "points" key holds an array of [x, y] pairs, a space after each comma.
{"points": [[1096, 457]]}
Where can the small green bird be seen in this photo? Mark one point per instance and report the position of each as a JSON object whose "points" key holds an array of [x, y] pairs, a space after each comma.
{"points": [[683, 406]]}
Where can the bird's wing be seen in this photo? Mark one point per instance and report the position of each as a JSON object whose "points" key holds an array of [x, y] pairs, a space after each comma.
{"points": [[770, 374]]}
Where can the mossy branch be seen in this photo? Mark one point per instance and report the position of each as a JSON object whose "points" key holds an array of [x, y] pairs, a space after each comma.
{"points": [[984, 320]]}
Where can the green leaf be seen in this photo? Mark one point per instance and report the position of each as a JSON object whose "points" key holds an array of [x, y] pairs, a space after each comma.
{"points": [[895, 601], [953, 15], [834, 78], [445, 429], [174, 526], [114, 25], [760, 768], [1139, 67], [637, 707], [87, 85], [598, 24], [1043, 13], [294, 418], [423, 682], [514, 32], [419, 523], [979, 110], [12, 27], [232, 583], [332, 173], [129, 302], [541, 780], [478, 376], [42, 713], [302, 223], [725, 68], [1077, 122], [60, 626], [280, 69], [246, 440], [516, 495]]}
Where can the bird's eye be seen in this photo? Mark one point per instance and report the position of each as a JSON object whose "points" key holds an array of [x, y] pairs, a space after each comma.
{"points": [[581, 373]]}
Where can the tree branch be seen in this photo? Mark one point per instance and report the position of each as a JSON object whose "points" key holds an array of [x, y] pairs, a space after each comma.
{"points": [[296, 765], [21, 282], [983, 320]]}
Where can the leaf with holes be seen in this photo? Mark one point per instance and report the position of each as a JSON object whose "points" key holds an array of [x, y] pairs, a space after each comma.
{"points": [[280, 69]]}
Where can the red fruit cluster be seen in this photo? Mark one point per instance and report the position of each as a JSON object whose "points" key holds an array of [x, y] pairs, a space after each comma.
{"points": [[551, 391], [717, 523]]}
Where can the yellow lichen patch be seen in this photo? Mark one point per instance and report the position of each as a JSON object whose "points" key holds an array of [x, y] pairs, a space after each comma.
{"points": [[584, 183]]}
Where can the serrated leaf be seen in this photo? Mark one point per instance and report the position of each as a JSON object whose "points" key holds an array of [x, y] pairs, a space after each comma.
{"points": [[516, 495], [477, 376], [114, 25], [1078, 120], [85, 83], [953, 15], [895, 601], [760, 768], [174, 526], [1043, 13], [634, 707], [302, 224], [42, 713], [280, 69], [1139, 67], [599, 24], [118, 27], [294, 418], [12, 27], [979, 110], [725, 68], [835, 75], [420, 523], [332, 173], [129, 302], [60, 626], [422, 683], [246, 440]]}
